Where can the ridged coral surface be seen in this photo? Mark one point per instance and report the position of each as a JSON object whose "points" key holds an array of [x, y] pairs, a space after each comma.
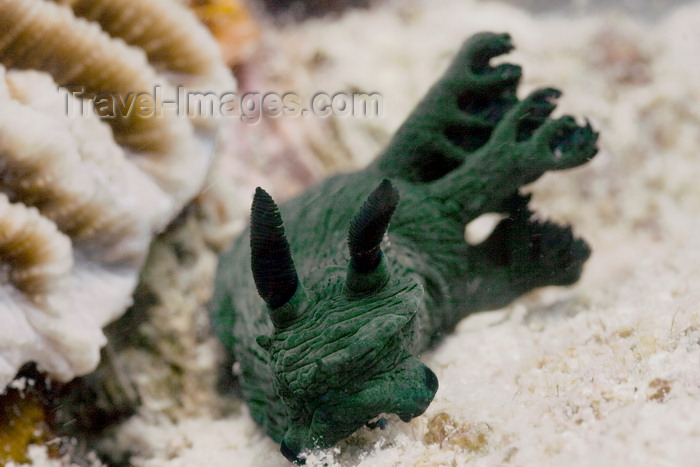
{"points": [[81, 197]]}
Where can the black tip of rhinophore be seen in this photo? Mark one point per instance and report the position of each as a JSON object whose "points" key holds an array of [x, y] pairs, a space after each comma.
{"points": [[271, 260], [369, 226]]}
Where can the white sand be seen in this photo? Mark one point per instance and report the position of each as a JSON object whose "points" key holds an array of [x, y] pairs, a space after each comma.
{"points": [[607, 372]]}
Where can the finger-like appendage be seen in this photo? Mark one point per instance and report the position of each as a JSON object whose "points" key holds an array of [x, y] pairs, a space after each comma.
{"points": [[556, 254], [547, 252], [474, 60], [464, 106], [482, 47], [537, 252], [521, 122], [568, 144]]}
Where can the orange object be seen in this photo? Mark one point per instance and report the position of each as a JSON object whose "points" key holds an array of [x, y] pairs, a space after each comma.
{"points": [[233, 26], [22, 422]]}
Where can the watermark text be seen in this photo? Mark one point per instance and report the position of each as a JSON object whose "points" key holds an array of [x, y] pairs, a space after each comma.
{"points": [[249, 107]]}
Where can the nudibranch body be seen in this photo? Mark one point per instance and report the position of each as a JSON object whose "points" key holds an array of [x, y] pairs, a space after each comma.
{"points": [[327, 301]]}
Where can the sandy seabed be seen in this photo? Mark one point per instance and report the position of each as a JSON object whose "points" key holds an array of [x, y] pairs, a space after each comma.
{"points": [[606, 372]]}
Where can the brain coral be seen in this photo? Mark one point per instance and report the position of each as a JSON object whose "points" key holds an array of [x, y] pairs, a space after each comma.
{"points": [[82, 196]]}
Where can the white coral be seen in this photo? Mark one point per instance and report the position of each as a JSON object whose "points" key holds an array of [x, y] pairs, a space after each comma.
{"points": [[80, 199]]}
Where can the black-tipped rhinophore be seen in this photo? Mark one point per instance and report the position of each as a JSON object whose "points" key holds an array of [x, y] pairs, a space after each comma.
{"points": [[271, 260], [369, 226]]}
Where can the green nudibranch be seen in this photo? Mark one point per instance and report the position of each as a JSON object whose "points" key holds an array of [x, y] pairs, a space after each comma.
{"points": [[371, 268]]}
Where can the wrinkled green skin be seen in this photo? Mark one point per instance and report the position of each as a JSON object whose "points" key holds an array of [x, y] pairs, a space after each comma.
{"points": [[464, 151]]}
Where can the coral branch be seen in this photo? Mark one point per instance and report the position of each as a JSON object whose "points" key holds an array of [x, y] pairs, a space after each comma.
{"points": [[35, 253]]}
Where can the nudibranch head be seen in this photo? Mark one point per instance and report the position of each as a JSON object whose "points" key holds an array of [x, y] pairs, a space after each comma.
{"points": [[341, 354]]}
